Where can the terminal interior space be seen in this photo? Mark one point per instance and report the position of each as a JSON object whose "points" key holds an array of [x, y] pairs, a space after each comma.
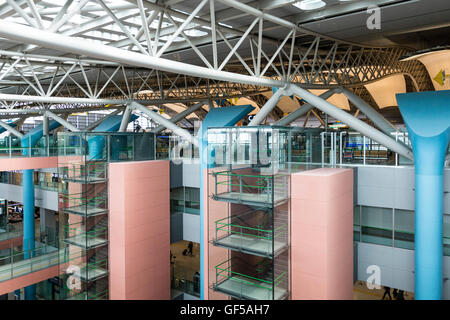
{"points": [[224, 150]]}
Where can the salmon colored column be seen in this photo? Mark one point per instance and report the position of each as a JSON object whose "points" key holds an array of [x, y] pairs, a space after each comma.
{"points": [[213, 256], [322, 234], [139, 230]]}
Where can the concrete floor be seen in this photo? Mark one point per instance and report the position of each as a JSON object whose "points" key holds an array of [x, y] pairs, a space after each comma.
{"points": [[362, 292], [185, 266]]}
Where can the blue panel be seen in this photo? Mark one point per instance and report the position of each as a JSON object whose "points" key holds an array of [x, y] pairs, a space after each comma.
{"points": [[217, 117], [10, 124], [427, 117], [97, 143], [112, 123], [36, 133]]}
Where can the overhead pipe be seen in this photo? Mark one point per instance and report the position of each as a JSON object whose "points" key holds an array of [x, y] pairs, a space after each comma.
{"points": [[46, 39], [383, 124], [180, 116], [125, 119], [11, 129], [351, 121], [303, 110], [63, 122], [164, 122], [268, 107], [45, 129]]}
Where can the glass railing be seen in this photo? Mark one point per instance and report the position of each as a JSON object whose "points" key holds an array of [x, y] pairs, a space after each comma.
{"points": [[17, 264], [11, 231], [76, 234], [263, 146], [12, 147], [82, 199], [236, 232], [102, 295], [184, 279], [250, 188], [107, 146], [83, 172], [182, 151]]}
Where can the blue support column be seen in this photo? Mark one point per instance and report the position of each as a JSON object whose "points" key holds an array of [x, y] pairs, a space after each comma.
{"points": [[427, 117], [28, 224]]}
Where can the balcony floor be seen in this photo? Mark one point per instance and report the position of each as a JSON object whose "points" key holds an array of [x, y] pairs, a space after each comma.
{"points": [[251, 245], [86, 242], [86, 179], [234, 287], [250, 198], [86, 211], [93, 274]]}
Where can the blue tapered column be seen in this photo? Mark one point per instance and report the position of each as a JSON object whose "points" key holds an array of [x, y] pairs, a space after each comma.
{"points": [[28, 224], [427, 117]]}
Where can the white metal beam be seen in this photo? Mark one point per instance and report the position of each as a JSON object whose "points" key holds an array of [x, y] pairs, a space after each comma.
{"points": [[166, 123], [351, 121], [374, 116], [51, 40], [302, 110], [61, 121], [11, 129], [265, 110], [181, 115]]}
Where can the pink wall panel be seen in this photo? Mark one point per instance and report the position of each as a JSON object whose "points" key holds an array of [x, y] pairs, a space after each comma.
{"points": [[6, 244], [322, 234], [214, 210], [29, 279], [23, 163], [139, 230]]}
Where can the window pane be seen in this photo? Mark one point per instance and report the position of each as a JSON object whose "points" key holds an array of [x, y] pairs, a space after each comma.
{"points": [[192, 200], [376, 225], [356, 223], [404, 229], [177, 200]]}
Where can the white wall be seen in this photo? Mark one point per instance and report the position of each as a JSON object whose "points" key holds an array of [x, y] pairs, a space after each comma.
{"points": [[392, 187], [43, 198], [191, 175], [396, 265], [191, 227]]}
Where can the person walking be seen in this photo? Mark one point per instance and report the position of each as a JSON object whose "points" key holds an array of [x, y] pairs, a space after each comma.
{"points": [[190, 247], [387, 291]]}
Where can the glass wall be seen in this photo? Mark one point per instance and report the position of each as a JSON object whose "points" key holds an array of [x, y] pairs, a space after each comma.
{"points": [[13, 146], [43, 180], [185, 199], [248, 209], [390, 227]]}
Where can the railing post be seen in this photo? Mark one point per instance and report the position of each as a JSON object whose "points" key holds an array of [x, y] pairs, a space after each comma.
{"points": [[11, 262], [10, 151], [240, 188], [364, 150]]}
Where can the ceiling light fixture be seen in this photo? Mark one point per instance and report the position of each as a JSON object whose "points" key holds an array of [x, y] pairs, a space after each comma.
{"points": [[309, 5]]}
